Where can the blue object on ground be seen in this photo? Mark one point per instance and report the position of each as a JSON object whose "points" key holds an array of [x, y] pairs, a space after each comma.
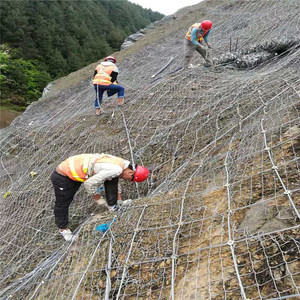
{"points": [[105, 226]]}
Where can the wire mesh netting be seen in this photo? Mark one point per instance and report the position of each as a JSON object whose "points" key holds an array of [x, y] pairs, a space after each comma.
{"points": [[219, 215]]}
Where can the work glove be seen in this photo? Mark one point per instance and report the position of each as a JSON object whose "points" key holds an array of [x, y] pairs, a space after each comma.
{"points": [[209, 46], [100, 201], [125, 202]]}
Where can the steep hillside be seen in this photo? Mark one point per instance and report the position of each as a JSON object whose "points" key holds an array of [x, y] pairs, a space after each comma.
{"points": [[218, 217]]}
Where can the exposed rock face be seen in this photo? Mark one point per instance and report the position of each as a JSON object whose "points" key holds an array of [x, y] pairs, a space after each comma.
{"points": [[266, 218], [47, 89], [138, 35], [249, 58], [131, 40]]}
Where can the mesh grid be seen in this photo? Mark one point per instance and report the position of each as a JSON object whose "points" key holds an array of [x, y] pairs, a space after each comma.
{"points": [[219, 216]]}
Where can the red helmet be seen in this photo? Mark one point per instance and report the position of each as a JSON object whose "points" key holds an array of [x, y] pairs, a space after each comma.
{"points": [[141, 174], [206, 25], [110, 58]]}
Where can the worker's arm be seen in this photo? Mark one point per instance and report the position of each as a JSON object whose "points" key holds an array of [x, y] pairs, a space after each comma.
{"points": [[194, 37], [107, 172], [95, 72], [206, 39], [119, 192], [114, 76]]}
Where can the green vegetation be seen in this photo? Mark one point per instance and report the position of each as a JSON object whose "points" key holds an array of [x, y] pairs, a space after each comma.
{"points": [[44, 40], [22, 81]]}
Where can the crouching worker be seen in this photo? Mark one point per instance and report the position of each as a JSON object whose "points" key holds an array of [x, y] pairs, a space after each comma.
{"points": [[93, 170], [194, 42], [105, 79]]}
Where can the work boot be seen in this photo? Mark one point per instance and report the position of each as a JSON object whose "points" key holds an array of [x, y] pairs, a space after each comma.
{"points": [[98, 111], [67, 234], [209, 62], [120, 102]]}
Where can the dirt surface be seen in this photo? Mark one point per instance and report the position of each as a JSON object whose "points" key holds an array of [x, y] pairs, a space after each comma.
{"points": [[6, 117]]}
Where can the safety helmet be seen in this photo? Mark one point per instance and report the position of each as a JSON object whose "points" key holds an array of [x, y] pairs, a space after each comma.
{"points": [[206, 25], [141, 174], [110, 58]]}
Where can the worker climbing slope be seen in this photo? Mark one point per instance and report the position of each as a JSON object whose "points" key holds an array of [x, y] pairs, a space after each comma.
{"points": [[94, 170], [105, 79], [194, 41]]}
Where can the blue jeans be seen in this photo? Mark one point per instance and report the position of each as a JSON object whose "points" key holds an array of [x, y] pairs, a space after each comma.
{"points": [[111, 90]]}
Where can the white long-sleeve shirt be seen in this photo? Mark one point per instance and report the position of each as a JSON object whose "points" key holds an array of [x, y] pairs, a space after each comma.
{"points": [[103, 172]]}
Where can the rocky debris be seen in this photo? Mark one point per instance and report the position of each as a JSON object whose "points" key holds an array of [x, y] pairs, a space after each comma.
{"points": [[141, 33], [47, 89], [291, 132], [132, 39], [257, 54], [262, 217]]}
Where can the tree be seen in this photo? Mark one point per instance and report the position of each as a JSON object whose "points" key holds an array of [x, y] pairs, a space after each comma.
{"points": [[56, 37]]}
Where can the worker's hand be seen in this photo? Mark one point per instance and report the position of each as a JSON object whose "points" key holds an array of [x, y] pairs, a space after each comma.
{"points": [[119, 197], [100, 201], [125, 202], [209, 46]]}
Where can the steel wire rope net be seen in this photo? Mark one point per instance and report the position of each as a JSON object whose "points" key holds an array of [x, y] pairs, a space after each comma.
{"points": [[218, 217]]}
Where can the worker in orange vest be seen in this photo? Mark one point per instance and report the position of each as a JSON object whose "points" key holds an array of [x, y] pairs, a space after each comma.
{"points": [[194, 41], [93, 170], [105, 79]]}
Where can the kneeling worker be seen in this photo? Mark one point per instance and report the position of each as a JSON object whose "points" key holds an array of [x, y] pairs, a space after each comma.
{"points": [[94, 170]]}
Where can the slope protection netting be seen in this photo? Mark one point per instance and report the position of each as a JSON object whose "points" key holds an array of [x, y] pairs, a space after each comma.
{"points": [[218, 217]]}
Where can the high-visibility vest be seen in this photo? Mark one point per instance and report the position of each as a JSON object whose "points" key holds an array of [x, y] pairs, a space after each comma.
{"points": [[103, 75], [76, 167], [200, 36]]}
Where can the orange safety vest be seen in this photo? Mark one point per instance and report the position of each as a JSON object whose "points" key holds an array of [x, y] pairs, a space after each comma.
{"points": [[200, 36], [103, 75], [76, 167]]}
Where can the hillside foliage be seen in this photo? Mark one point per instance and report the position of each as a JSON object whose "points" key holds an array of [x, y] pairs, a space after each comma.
{"points": [[54, 38]]}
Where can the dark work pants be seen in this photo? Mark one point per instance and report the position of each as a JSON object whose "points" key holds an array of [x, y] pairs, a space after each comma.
{"points": [[111, 191], [65, 189]]}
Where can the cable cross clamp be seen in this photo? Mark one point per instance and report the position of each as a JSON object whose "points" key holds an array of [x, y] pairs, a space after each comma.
{"points": [[230, 242]]}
